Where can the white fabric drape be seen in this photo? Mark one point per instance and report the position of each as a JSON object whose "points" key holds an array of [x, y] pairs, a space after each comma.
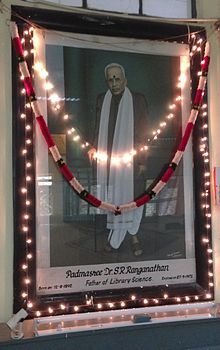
{"points": [[120, 188]]}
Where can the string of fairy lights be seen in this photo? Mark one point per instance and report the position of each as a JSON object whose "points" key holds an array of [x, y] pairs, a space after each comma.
{"points": [[54, 99], [25, 152], [72, 131]]}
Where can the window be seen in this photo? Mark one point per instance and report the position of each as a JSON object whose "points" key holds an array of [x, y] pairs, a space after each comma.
{"points": [[168, 8]]}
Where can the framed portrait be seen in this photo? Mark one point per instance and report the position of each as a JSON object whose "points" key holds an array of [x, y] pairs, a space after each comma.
{"points": [[84, 253]]}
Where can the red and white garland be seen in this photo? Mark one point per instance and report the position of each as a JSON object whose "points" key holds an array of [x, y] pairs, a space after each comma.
{"points": [[74, 183]]}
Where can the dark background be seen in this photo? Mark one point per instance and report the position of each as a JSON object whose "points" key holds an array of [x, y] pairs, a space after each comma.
{"points": [[84, 232]]}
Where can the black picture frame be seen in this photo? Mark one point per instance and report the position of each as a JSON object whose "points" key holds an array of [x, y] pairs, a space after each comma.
{"points": [[107, 25]]}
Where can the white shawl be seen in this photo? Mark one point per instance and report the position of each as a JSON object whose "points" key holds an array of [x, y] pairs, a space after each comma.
{"points": [[120, 188]]}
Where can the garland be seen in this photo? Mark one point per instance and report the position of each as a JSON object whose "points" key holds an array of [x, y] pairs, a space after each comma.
{"points": [[146, 196]]}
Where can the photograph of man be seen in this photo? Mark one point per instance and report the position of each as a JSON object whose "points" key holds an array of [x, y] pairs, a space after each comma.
{"points": [[121, 131]]}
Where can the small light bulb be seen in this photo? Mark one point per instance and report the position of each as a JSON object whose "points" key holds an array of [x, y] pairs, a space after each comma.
{"points": [[54, 98], [178, 98], [163, 124], [172, 106], [43, 74], [48, 86], [38, 66], [76, 138]]}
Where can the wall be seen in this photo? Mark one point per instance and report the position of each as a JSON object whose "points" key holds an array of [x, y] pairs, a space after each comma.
{"points": [[6, 202]]}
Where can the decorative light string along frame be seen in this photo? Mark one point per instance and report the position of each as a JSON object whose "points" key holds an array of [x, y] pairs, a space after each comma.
{"points": [[26, 79], [74, 183]]}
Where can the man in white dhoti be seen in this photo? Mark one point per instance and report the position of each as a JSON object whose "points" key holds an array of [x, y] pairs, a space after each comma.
{"points": [[121, 120]]}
